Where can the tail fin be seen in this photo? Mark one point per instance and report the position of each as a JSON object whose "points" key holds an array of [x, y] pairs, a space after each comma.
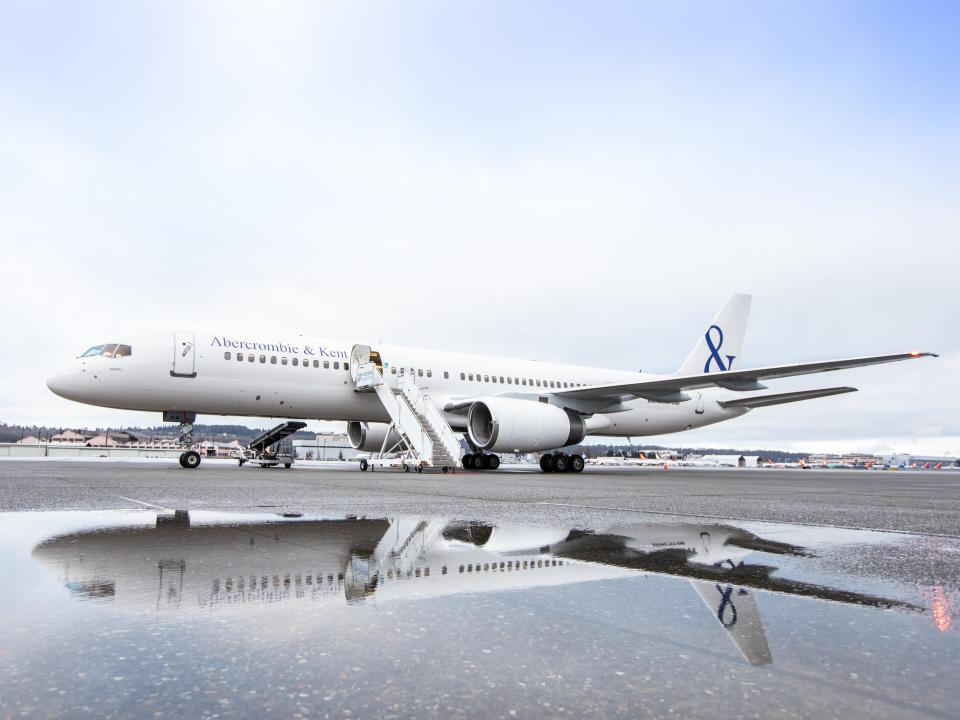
{"points": [[722, 341]]}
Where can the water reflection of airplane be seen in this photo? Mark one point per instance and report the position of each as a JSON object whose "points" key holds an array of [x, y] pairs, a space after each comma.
{"points": [[201, 568]]}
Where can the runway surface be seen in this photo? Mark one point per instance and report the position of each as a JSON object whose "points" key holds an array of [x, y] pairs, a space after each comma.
{"points": [[142, 588]]}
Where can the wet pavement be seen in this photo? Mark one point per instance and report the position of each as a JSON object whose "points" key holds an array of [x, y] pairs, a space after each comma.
{"points": [[508, 595]]}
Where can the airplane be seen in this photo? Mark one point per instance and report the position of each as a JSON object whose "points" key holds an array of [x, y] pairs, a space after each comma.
{"points": [[195, 563], [497, 404]]}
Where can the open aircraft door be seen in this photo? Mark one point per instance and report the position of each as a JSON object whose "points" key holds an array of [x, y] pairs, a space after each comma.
{"points": [[361, 355], [184, 354]]}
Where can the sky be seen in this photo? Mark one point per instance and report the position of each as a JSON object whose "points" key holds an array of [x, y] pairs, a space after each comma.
{"points": [[568, 181]]}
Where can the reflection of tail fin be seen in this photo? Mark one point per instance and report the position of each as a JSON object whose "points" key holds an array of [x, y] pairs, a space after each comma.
{"points": [[736, 609], [719, 347]]}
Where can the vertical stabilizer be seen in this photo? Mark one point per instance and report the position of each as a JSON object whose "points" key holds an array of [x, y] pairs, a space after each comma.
{"points": [[736, 610], [721, 342]]}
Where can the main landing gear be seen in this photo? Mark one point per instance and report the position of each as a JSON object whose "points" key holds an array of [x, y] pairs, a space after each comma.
{"points": [[480, 461], [561, 463]]}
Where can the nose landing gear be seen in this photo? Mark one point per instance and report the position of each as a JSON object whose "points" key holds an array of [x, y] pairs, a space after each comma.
{"points": [[190, 459]]}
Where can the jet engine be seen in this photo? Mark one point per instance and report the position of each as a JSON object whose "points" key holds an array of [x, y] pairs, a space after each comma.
{"points": [[508, 425], [368, 437]]}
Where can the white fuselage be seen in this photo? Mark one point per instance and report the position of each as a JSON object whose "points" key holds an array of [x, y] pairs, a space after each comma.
{"points": [[308, 378]]}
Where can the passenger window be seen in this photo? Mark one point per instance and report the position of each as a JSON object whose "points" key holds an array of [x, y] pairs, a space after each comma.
{"points": [[463, 377], [283, 361], [429, 373], [226, 355], [250, 357], [420, 372], [446, 374], [273, 359], [336, 365], [295, 361], [326, 364], [305, 363], [494, 379], [538, 383], [108, 350], [123, 351], [346, 366], [316, 363], [486, 378], [393, 370], [471, 376], [501, 378], [516, 381], [239, 357], [509, 381], [552, 384], [263, 358], [524, 381]]}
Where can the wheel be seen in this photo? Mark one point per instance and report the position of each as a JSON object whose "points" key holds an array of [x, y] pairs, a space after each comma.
{"points": [[190, 459], [576, 463], [467, 461], [493, 462], [241, 461], [561, 463], [546, 462], [287, 465], [406, 468], [446, 469], [363, 465], [479, 461], [419, 468]]}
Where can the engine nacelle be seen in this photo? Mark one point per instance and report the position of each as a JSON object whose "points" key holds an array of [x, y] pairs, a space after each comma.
{"points": [[509, 425], [368, 437]]}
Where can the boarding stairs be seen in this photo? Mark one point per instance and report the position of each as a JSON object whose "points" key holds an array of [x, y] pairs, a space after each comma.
{"points": [[425, 437]]}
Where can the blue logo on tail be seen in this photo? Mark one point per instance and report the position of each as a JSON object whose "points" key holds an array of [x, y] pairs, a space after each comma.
{"points": [[715, 350]]}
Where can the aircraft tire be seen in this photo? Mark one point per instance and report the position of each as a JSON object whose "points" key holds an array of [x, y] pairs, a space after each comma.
{"points": [[190, 459], [467, 461], [364, 465], [576, 463], [561, 463], [546, 463], [493, 462]]}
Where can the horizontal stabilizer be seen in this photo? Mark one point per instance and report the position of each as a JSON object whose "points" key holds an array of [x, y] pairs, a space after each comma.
{"points": [[656, 389], [758, 401]]}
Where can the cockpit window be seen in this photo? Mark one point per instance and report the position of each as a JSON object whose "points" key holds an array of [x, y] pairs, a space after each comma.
{"points": [[109, 350]]}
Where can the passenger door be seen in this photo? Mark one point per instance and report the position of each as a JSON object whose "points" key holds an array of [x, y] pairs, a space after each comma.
{"points": [[184, 354]]}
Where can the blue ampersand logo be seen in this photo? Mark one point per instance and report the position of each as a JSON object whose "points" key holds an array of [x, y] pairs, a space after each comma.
{"points": [[727, 620], [715, 350]]}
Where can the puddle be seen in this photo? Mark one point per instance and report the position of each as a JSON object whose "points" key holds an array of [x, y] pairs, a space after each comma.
{"points": [[205, 613]]}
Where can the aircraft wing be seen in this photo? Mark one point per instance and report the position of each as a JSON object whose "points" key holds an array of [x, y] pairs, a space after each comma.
{"points": [[671, 389]]}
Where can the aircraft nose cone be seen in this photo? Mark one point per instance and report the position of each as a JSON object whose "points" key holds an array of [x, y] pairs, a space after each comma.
{"points": [[63, 382]]}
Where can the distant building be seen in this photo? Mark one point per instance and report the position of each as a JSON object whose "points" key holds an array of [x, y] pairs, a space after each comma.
{"points": [[324, 446], [112, 439], [69, 437], [29, 440]]}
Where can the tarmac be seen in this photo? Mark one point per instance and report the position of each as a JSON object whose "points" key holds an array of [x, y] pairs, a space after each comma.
{"points": [[138, 588]]}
